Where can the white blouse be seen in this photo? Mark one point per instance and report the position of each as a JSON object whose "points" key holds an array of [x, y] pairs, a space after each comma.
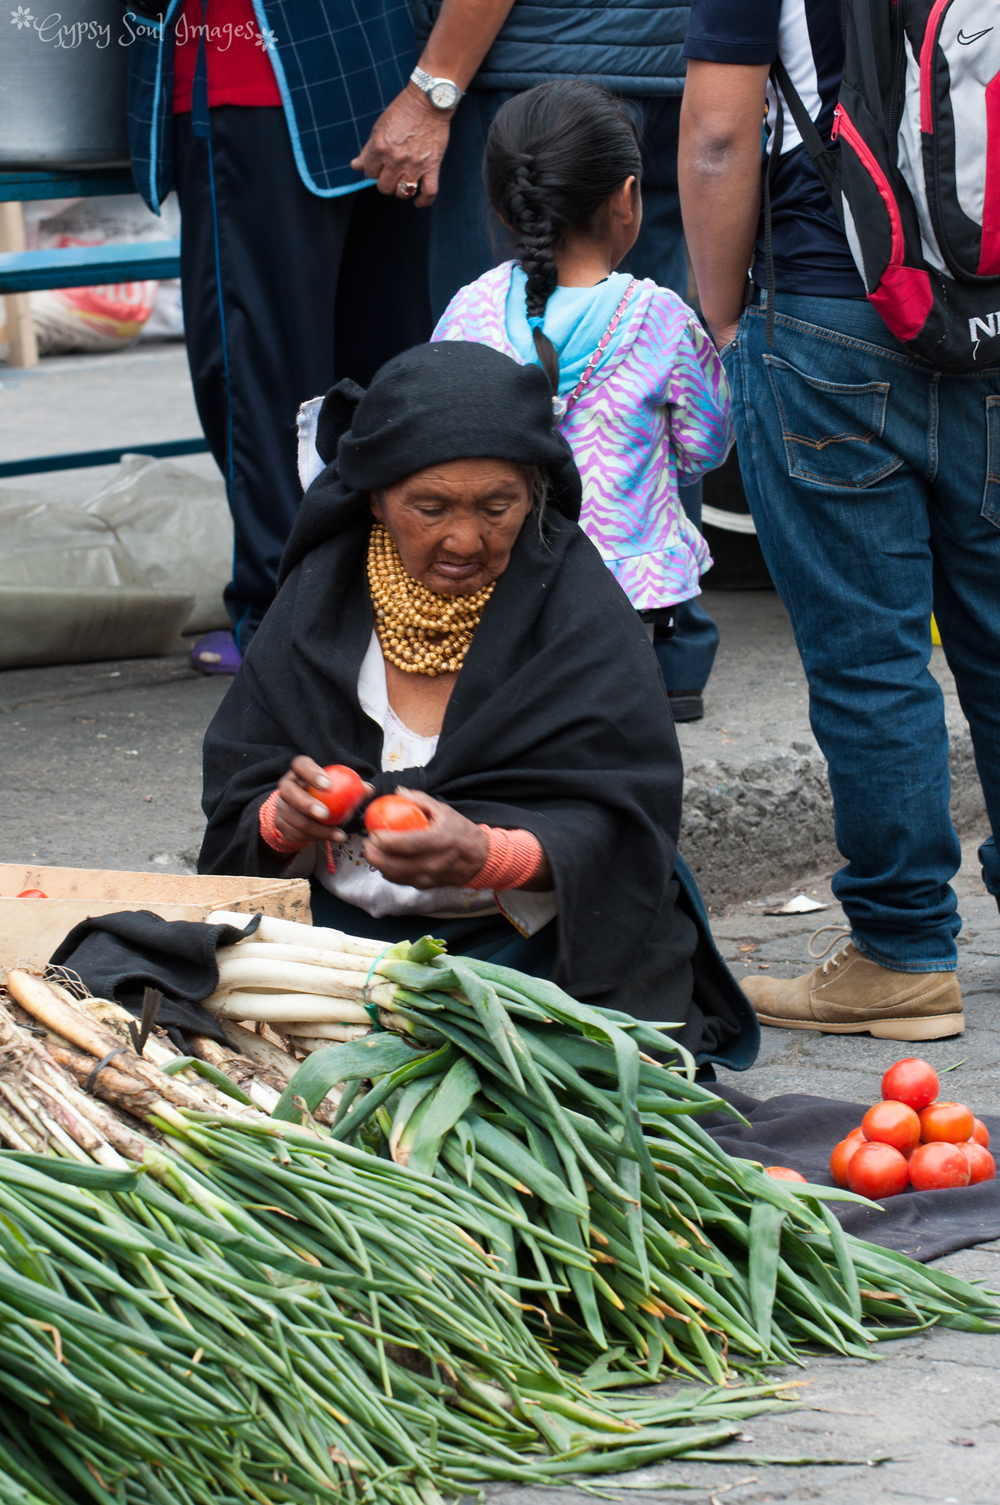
{"points": [[354, 879]]}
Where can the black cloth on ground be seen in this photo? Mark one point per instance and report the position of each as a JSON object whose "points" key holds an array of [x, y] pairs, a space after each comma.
{"points": [[800, 1131], [117, 956], [551, 727]]}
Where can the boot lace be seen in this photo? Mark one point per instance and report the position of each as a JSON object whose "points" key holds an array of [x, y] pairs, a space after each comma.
{"points": [[832, 961]]}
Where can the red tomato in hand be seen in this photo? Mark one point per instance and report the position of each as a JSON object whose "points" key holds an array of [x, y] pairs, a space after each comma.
{"points": [[345, 792], [842, 1155], [877, 1171], [782, 1173], [892, 1123], [934, 1167], [32, 893], [980, 1133], [913, 1082], [948, 1123], [982, 1166], [391, 812]]}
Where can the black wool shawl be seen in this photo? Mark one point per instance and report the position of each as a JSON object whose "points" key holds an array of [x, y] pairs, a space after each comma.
{"points": [[558, 724]]}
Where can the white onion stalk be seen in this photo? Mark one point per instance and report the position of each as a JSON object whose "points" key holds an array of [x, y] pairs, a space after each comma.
{"points": [[382, 993], [261, 1051], [290, 977], [292, 1008], [291, 933], [308, 1043], [339, 1032], [341, 961]]}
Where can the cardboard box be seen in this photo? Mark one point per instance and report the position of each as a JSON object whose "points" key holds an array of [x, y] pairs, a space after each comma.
{"points": [[31, 929]]}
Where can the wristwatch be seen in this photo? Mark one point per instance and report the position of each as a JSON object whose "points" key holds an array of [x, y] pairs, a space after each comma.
{"points": [[442, 93]]}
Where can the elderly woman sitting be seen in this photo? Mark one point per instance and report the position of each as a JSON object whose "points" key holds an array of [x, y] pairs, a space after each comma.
{"points": [[446, 629]]}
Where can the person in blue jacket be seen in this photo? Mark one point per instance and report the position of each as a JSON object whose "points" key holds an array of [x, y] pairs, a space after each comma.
{"points": [[475, 55], [294, 272]]}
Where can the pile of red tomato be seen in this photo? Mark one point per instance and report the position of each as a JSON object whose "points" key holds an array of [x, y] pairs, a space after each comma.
{"points": [[910, 1139]]}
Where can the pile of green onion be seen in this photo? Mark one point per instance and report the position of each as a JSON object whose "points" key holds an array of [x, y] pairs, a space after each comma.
{"points": [[513, 1224]]}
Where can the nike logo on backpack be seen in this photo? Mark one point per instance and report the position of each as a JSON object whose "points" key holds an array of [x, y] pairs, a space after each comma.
{"points": [[965, 41]]}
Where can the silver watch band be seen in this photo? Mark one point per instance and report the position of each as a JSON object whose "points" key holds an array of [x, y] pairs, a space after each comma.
{"points": [[448, 92]]}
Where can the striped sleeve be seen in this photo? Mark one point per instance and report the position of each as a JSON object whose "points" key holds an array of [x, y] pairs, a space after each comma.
{"points": [[697, 398]]}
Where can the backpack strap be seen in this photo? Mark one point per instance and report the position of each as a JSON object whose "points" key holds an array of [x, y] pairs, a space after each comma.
{"points": [[825, 157]]}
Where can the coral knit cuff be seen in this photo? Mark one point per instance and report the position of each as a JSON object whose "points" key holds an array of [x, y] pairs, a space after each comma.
{"points": [[515, 857], [270, 832]]}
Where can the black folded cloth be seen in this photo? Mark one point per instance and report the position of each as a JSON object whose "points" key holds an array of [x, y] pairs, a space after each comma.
{"points": [[800, 1131], [118, 956]]}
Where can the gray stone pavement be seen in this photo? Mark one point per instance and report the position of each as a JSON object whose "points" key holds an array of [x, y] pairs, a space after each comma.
{"points": [[102, 769]]}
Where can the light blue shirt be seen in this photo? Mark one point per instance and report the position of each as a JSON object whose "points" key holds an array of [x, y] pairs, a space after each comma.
{"points": [[576, 319]]}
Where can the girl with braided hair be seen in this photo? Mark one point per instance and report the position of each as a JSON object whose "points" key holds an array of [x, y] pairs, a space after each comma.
{"points": [[638, 390]]}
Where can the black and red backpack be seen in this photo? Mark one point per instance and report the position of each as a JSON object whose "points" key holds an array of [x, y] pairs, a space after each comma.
{"points": [[913, 169]]}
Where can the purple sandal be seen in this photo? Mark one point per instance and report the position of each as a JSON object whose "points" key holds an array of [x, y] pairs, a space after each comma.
{"points": [[216, 653]]}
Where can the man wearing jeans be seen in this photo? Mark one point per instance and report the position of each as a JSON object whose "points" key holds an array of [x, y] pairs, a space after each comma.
{"points": [[873, 482]]}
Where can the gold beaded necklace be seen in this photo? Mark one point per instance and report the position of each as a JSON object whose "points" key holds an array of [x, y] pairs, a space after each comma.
{"points": [[419, 631]]}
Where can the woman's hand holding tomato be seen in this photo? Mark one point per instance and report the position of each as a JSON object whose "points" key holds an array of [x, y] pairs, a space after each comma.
{"points": [[304, 794], [448, 852]]}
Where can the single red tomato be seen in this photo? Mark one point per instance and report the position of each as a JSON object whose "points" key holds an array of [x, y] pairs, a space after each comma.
{"points": [[858, 1134], [391, 812], [782, 1173], [841, 1157], [982, 1166], [892, 1123], [911, 1081], [877, 1171], [32, 893], [948, 1123], [345, 792], [933, 1167], [980, 1133]]}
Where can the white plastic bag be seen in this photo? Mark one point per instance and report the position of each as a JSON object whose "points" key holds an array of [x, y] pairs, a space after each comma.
{"points": [[70, 591], [177, 526]]}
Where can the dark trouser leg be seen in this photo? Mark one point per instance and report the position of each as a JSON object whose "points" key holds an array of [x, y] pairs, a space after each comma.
{"points": [[466, 236], [270, 251], [383, 301], [686, 659]]}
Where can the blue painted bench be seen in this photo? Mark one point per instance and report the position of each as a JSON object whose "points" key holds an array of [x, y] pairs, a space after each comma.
{"points": [[85, 266]]}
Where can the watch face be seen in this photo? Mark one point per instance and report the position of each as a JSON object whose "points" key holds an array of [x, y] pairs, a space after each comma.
{"points": [[444, 94]]}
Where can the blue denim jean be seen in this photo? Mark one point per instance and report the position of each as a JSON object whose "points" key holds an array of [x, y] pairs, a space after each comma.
{"points": [[874, 483]]}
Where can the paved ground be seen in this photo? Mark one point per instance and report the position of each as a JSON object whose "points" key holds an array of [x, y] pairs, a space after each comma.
{"points": [[102, 768]]}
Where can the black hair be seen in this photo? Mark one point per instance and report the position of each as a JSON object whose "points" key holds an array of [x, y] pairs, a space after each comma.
{"points": [[554, 155]]}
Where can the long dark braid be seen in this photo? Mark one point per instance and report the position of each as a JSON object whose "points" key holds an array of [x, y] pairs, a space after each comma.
{"points": [[554, 155]]}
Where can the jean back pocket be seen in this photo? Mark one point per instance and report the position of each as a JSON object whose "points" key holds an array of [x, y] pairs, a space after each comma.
{"points": [[832, 431]]}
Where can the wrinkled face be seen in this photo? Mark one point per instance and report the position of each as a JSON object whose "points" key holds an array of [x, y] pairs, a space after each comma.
{"points": [[455, 524]]}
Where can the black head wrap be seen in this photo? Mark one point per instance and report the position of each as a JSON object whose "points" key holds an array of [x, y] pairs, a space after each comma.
{"points": [[449, 401]]}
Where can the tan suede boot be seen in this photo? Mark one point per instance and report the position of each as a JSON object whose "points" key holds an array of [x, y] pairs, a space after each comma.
{"points": [[849, 995]]}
